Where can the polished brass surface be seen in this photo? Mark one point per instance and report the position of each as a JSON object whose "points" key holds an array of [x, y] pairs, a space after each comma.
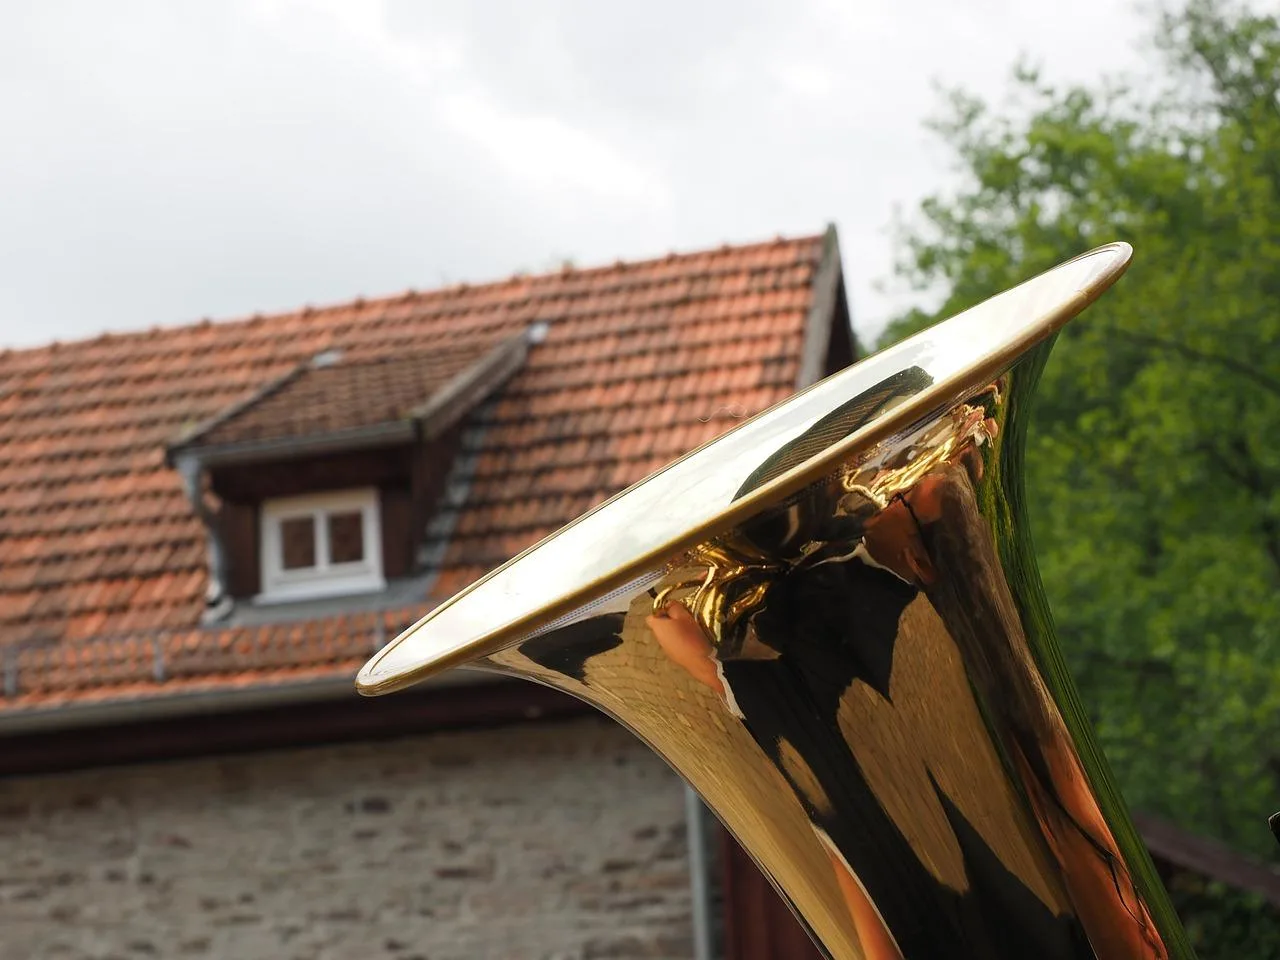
{"points": [[830, 624]]}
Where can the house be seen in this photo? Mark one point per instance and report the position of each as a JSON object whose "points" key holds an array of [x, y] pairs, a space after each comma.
{"points": [[205, 530]]}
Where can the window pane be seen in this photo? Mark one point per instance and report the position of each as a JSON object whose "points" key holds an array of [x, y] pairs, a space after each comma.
{"points": [[297, 543], [346, 537]]}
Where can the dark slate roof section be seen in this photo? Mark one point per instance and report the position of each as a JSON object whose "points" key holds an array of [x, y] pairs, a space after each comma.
{"points": [[1208, 858], [337, 402]]}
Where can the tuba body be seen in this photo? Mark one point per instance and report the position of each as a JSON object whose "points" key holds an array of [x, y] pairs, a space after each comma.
{"points": [[829, 622]]}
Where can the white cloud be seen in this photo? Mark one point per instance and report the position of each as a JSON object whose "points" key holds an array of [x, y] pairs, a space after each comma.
{"points": [[364, 28], [808, 80], [545, 154], [226, 156]]}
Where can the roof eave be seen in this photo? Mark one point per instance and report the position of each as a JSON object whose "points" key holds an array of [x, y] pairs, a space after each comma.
{"points": [[1207, 857], [827, 284], [252, 451], [460, 395], [208, 700]]}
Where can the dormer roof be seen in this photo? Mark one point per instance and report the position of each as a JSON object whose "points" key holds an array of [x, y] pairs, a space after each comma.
{"points": [[348, 399]]}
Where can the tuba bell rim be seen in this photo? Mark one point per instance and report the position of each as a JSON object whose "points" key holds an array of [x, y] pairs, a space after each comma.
{"points": [[375, 679]]}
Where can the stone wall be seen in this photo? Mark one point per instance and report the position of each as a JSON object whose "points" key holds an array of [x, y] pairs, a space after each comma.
{"points": [[554, 840]]}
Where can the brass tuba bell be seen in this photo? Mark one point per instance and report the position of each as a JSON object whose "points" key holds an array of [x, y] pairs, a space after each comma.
{"points": [[829, 622]]}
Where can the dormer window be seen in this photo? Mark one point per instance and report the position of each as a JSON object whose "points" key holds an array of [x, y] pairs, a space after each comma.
{"points": [[324, 482], [321, 545]]}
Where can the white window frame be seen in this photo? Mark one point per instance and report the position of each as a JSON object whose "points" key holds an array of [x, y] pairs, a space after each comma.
{"points": [[325, 579]]}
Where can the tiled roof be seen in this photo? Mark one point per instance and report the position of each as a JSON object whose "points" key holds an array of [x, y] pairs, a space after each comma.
{"points": [[340, 393], [637, 363]]}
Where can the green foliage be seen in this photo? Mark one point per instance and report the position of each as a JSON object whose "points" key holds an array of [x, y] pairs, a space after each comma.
{"points": [[1225, 924], [1154, 467]]}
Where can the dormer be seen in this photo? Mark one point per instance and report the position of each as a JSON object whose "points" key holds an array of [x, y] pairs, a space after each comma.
{"points": [[322, 484]]}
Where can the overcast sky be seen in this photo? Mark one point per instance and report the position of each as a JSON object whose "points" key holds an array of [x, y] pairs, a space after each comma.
{"points": [[164, 161]]}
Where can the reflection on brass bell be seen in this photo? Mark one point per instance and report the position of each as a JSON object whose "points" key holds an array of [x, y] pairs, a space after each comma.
{"points": [[828, 621]]}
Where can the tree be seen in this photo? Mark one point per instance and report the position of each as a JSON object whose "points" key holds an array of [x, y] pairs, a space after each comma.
{"points": [[1154, 466]]}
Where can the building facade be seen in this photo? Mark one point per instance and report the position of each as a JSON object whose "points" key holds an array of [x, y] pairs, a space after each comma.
{"points": [[206, 530]]}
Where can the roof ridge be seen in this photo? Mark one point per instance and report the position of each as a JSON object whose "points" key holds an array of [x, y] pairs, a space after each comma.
{"points": [[361, 302], [362, 356]]}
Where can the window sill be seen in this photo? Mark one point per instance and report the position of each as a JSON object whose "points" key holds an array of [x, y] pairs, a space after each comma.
{"points": [[400, 593], [319, 590]]}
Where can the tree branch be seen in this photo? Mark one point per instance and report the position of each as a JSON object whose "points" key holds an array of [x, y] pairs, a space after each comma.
{"points": [[1227, 362], [1244, 471]]}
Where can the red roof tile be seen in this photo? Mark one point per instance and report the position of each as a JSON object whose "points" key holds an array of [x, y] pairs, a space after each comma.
{"points": [[342, 391], [639, 363]]}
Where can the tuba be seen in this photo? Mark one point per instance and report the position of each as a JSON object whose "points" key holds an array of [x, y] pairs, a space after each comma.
{"points": [[829, 622]]}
